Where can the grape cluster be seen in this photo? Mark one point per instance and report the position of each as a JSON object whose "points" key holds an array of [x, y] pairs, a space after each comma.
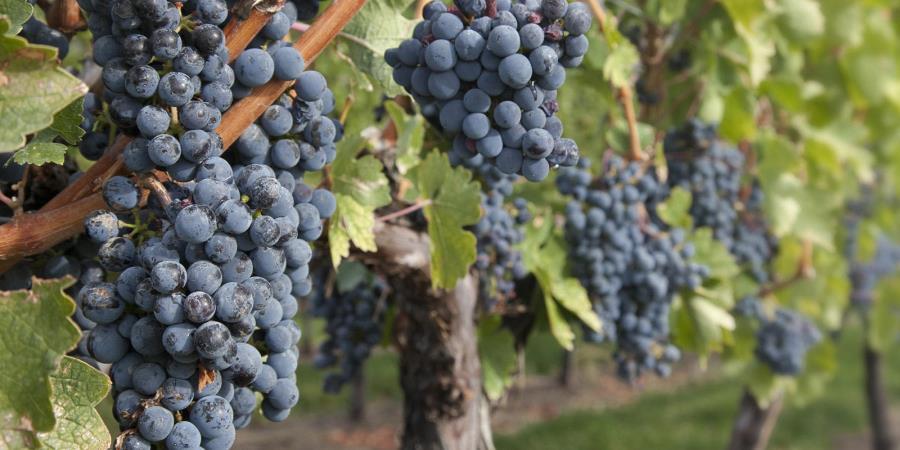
{"points": [[498, 262], [38, 32], [201, 314], [712, 172], [783, 341], [486, 73], [354, 320], [161, 58], [631, 267]]}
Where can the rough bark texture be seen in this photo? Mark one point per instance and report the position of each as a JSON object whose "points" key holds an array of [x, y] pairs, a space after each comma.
{"points": [[883, 437], [753, 425], [357, 408], [566, 370], [435, 333]]}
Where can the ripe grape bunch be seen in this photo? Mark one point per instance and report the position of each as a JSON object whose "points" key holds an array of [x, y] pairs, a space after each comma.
{"points": [[486, 73], [712, 172], [864, 276], [498, 262], [630, 266], [353, 321], [783, 341], [208, 267]]}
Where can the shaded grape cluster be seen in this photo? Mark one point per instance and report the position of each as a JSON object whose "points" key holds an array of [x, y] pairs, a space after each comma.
{"points": [[712, 172], [498, 262], [783, 341], [631, 267], [487, 72], [354, 321]]}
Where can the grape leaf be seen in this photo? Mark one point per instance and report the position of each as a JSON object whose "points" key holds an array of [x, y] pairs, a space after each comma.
{"points": [[350, 274], [378, 26], [713, 254], [17, 11], [77, 389], [40, 150], [455, 203], [676, 210], [351, 222], [544, 254], [32, 88], [410, 136], [67, 123], [360, 188], [699, 325], [497, 355], [35, 332], [738, 120]]}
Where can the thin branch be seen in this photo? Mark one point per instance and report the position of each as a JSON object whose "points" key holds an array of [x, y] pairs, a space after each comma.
{"points": [[310, 45], [20, 196], [405, 211], [7, 201], [805, 270], [239, 33], [29, 234], [623, 93]]}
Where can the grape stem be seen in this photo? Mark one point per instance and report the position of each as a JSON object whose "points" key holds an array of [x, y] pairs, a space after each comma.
{"points": [[8, 201], [156, 187], [623, 93], [805, 271], [405, 211], [61, 218]]}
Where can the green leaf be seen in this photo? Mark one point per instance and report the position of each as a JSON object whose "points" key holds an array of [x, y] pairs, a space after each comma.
{"points": [[738, 118], [359, 187], [559, 327], [67, 123], [675, 211], [671, 11], [801, 19], [884, 326], [32, 88], [496, 350], [713, 254], [571, 295], [544, 254], [410, 136], [766, 386], [36, 331], [40, 152], [750, 18], [620, 64], [455, 204], [351, 222], [77, 389], [350, 274], [17, 11], [378, 26], [700, 325]]}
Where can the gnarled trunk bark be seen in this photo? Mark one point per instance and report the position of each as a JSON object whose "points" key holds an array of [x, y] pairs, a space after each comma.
{"points": [[435, 333], [753, 425], [883, 437]]}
